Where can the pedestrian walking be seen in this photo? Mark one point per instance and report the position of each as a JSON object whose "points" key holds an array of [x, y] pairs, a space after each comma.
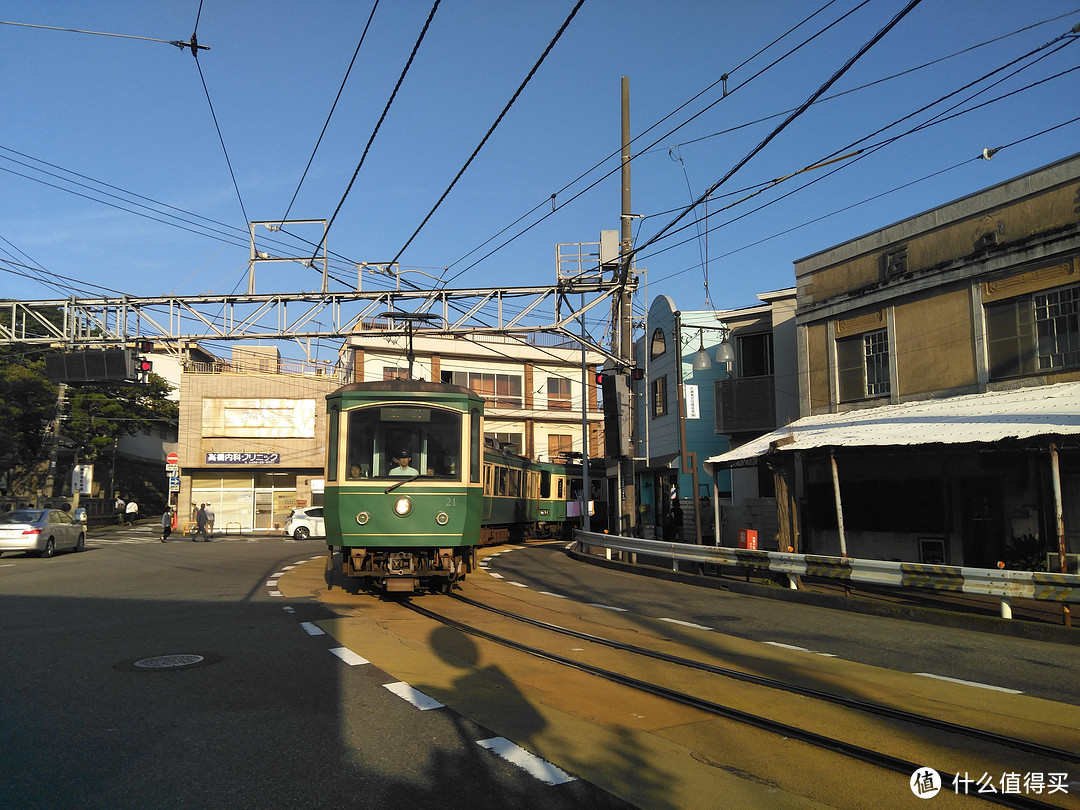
{"points": [[132, 510], [200, 525], [166, 524], [118, 510], [209, 521]]}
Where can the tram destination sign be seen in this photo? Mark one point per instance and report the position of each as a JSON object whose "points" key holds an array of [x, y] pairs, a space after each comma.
{"points": [[243, 458]]}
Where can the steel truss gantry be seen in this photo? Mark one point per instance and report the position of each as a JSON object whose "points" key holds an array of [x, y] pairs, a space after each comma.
{"points": [[182, 320]]}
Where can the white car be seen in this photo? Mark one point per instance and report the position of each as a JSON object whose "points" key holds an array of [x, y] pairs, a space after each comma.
{"points": [[41, 531], [305, 523]]}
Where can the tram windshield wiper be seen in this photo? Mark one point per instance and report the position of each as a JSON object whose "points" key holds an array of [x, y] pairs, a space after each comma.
{"points": [[394, 486]]}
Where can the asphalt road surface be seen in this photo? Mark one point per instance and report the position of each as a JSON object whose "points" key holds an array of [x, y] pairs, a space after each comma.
{"points": [[142, 674]]}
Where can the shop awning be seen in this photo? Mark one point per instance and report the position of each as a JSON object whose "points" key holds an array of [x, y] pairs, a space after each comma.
{"points": [[1048, 410]]}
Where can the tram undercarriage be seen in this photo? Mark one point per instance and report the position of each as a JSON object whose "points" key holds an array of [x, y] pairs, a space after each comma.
{"points": [[409, 570]]}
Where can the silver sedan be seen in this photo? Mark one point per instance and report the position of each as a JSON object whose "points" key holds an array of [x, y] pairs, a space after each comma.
{"points": [[42, 532]]}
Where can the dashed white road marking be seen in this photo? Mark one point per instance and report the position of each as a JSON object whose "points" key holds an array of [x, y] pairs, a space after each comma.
{"points": [[496, 575], [799, 649], [530, 763], [271, 583], [349, 657], [518, 584], [416, 698], [607, 607], [312, 629], [556, 595], [970, 683], [275, 593], [685, 624]]}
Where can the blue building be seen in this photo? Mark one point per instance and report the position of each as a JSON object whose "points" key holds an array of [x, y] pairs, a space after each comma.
{"points": [[674, 422]]}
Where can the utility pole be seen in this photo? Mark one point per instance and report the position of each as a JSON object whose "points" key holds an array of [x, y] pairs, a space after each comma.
{"points": [[625, 347]]}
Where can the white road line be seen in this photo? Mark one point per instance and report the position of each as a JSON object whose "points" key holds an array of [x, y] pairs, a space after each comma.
{"points": [[417, 699], [606, 607], [970, 683], [275, 593], [530, 763], [271, 583], [799, 649], [349, 657], [496, 575], [518, 584], [312, 629], [556, 595], [685, 624]]}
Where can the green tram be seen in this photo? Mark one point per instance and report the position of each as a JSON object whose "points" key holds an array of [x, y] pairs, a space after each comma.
{"points": [[412, 489]]}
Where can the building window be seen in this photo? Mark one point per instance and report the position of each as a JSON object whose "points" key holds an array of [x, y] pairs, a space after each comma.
{"points": [[558, 393], [393, 373], [559, 445], [1033, 333], [756, 355], [507, 441], [659, 396], [500, 390], [658, 345], [862, 364]]}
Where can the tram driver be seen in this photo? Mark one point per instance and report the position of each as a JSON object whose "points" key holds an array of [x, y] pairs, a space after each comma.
{"points": [[404, 466]]}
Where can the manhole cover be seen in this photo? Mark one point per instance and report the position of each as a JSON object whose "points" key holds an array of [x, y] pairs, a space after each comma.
{"points": [[169, 661], [166, 663]]}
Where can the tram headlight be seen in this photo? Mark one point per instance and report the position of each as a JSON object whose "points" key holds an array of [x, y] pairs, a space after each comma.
{"points": [[402, 507], [362, 518], [442, 518]]}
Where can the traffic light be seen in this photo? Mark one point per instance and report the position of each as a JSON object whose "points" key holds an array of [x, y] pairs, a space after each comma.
{"points": [[143, 367]]}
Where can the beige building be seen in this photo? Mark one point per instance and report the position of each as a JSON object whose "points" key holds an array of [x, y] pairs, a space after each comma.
{"points": [[939, 385], [533, 386], [252, 437]]}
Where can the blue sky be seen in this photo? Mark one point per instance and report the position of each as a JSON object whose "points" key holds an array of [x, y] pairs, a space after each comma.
{"points": [[129, 117]]}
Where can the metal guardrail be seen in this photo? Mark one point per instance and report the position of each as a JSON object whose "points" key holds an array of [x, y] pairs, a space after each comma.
{"points": [[1005, 585]]}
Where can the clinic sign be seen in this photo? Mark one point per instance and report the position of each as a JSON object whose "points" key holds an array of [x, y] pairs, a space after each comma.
{"points": [[243, 458]]}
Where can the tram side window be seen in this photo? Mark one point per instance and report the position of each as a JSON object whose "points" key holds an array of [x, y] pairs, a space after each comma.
{"points": [[502, 480], [545, 483]]}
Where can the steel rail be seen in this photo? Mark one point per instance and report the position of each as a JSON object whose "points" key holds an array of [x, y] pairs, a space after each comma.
{"points": [[869, 756]]}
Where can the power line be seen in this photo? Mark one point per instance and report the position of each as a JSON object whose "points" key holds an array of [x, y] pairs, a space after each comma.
{"points": [[799, 111], [378, 125], [670, 132], [491, 129], [333, 107]]}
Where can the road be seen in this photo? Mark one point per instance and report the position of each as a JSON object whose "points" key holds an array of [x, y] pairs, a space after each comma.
{"points": [[267, 718]]}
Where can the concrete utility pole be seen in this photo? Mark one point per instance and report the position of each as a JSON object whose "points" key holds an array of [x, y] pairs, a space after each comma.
{"points": [[625, 347]]}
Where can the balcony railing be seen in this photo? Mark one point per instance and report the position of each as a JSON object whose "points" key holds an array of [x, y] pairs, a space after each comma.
{"points": [[299, 368]]}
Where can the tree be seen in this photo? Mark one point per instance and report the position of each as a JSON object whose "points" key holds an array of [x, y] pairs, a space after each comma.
{"points": [[27, 406], [96, 414], [100, 413]]}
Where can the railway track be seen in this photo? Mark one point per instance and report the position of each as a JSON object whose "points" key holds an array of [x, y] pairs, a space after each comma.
{"points": [[982, 747]]}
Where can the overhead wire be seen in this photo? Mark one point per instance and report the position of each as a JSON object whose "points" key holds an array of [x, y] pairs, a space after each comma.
{"points": [[378, 125], [866, 151], [787, 122], [696, 115], [494, 126], [329, 115]]}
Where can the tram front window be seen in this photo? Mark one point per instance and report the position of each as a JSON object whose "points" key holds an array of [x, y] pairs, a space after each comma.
{"points": [[382, 436]]}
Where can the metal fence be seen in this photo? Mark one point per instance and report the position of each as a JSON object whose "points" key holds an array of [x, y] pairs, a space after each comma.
{"points": [[1005, 585]]}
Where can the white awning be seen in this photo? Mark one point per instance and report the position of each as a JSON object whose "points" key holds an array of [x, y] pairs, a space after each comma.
{"points": [[1047, 410]]}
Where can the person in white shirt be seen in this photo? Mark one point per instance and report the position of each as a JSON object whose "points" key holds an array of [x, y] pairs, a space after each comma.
{"points": [[403, 459]]}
